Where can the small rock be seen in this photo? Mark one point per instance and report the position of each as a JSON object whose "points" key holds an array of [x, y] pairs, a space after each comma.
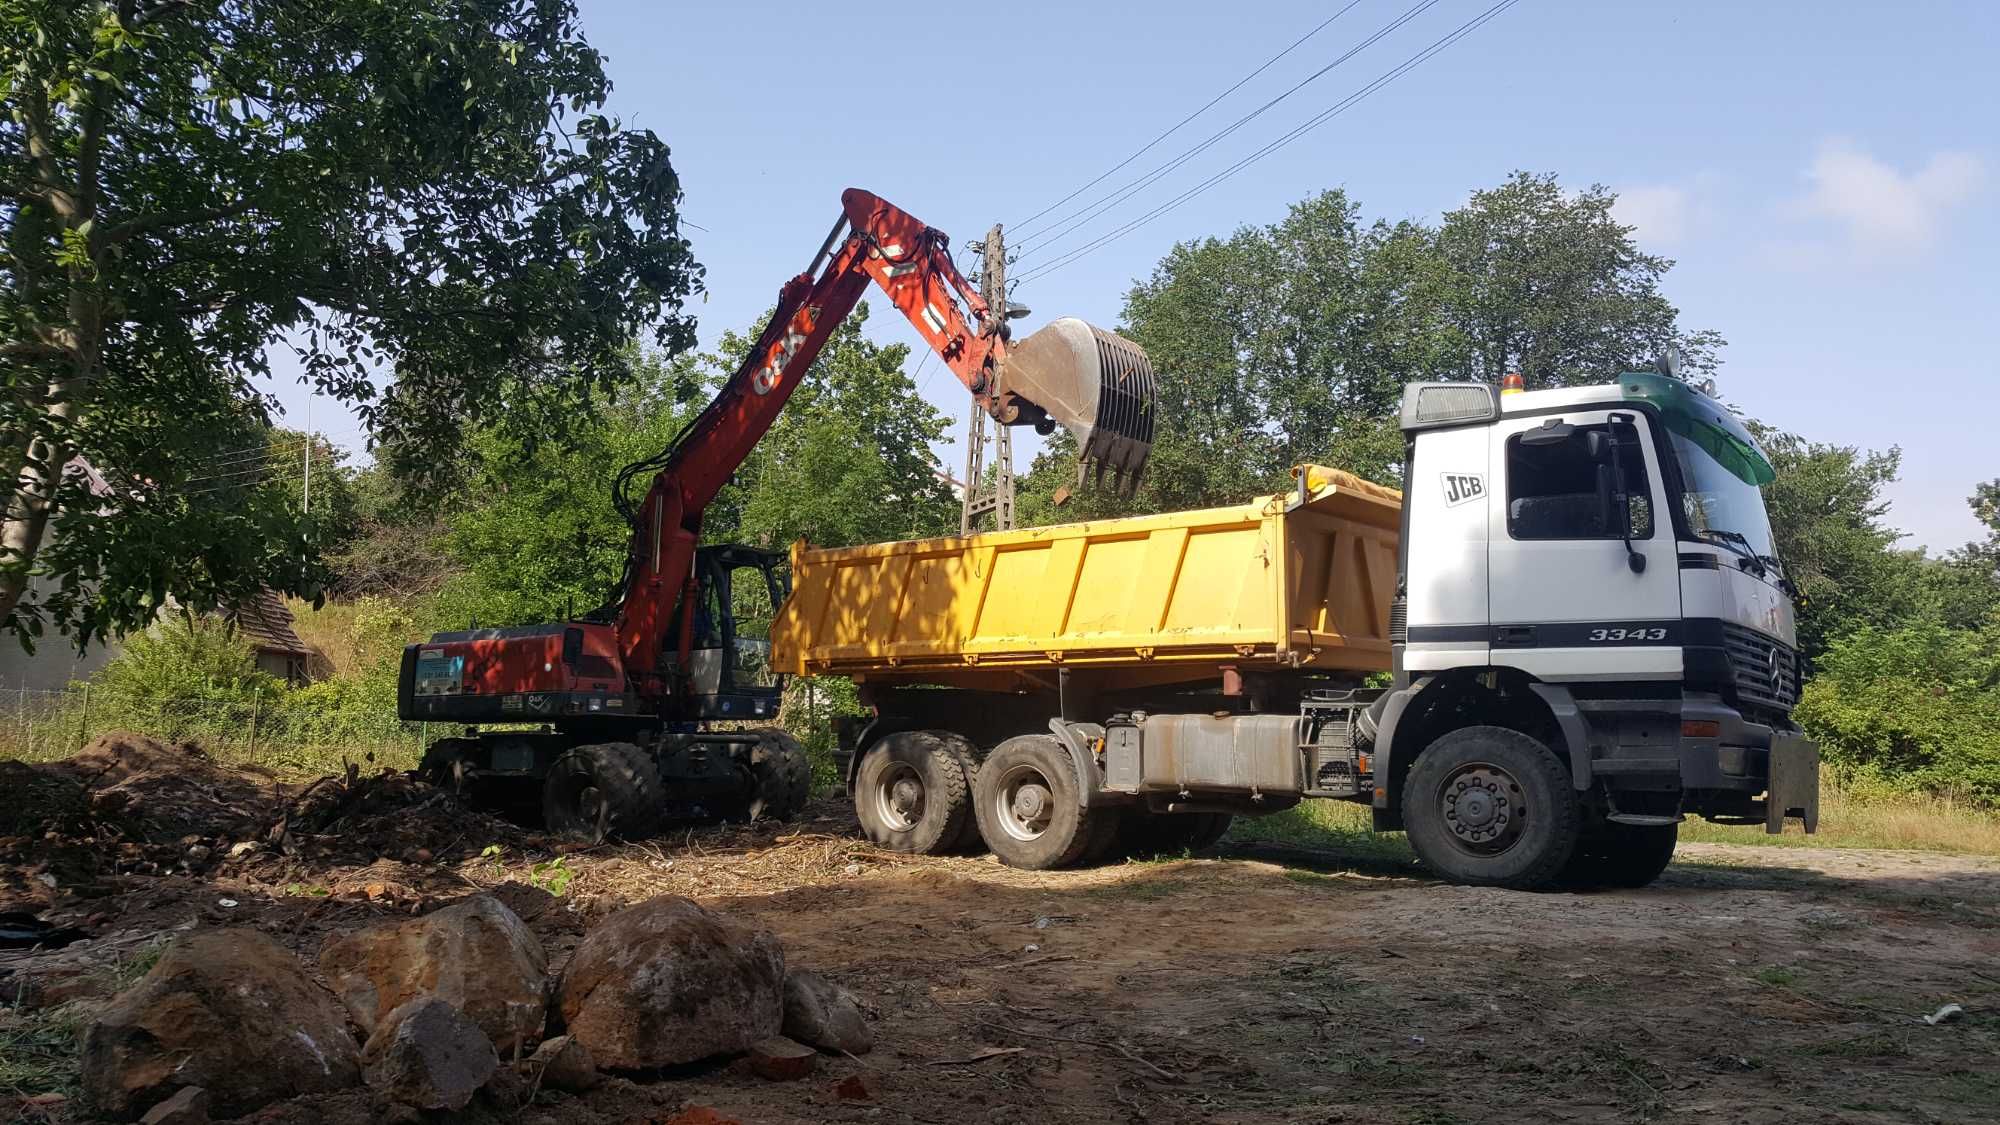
{"points": [[225, 1009], [565, 1064], [822, 1013], [429, 1055], [667, 982], [189, 1107], [199, 853], [853, 1088], [242, 848], [421, 855], [782, 1060]]}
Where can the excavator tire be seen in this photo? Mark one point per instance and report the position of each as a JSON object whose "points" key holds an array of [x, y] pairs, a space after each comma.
{"points": [[783, 776], [440, 764], [601, 791], [911, 794]]}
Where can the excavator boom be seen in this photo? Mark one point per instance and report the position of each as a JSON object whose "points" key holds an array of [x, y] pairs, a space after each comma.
{"points": [[1092, 382]]}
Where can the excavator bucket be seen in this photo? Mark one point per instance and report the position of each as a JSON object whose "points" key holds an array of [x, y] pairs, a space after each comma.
{"points": [[1097, 384]]}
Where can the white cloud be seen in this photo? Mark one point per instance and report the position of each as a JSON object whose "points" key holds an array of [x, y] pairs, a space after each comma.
{"points": [[1881, 211], [1661, 213]]}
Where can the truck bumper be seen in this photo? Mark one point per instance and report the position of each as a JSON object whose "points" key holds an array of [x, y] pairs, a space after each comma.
{"points": [[1726, 766]]}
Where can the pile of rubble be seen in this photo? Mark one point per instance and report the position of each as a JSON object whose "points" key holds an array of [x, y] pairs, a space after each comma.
{"points": [[434, 1011]]}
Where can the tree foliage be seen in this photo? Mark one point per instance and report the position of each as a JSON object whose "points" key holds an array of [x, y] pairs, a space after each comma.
{"points": [[1293, 342], [535, 535], [426, 186]]}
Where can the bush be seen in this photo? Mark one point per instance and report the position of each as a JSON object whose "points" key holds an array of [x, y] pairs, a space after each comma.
{"points": [[1910, 709]]}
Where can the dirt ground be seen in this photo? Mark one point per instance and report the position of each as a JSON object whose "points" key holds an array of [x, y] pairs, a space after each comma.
{"points": [[1258, 985]]}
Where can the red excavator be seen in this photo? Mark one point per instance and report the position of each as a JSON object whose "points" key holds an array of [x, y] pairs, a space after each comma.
{"points": [[636, 712]]}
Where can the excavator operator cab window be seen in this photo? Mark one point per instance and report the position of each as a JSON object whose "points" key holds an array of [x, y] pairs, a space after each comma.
{"points": [[739, 591]]}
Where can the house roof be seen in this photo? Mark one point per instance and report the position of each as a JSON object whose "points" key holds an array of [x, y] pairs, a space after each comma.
{"points": [[265, 622]]}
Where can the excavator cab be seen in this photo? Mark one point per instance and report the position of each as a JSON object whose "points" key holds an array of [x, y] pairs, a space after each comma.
{"points": [[738, 591], [1099, 386]]}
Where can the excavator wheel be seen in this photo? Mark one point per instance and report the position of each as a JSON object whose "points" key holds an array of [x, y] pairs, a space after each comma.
{"points": [[601, 791], [783, 776]]}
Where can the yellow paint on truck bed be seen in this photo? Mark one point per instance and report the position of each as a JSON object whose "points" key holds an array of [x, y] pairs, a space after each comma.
{"points": [[1299, 579]]}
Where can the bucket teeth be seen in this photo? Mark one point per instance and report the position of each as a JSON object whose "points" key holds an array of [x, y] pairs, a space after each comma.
{"points": [[1097, 384]]}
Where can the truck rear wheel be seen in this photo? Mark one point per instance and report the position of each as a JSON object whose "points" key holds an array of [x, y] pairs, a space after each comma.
{"points": [[600, 791], [783, 776], [911, 794], [1026, 800], [1488, 806], [1622, 855]]}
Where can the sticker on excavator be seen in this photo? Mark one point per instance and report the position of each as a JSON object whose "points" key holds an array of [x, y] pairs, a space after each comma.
{"points": [[439, 673]]}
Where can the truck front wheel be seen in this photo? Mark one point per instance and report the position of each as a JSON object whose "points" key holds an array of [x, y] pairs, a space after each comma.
{"points": [[1622, 855], [1488, 806], [1026, 800], [911, 794]]}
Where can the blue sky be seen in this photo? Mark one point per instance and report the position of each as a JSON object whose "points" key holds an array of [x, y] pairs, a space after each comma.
{"points": [[1825, 174]]}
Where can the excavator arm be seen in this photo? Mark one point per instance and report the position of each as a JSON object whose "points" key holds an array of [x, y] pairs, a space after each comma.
{"points": [[1097, 384]]}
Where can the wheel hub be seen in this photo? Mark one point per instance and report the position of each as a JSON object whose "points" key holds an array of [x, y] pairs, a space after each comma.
{"points": [[1025, 803], [1482, 806], [899, 798]]}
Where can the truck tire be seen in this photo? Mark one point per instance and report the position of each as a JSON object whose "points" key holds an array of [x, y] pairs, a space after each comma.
{"points": [[1628, 856], [1026, 801], [911, 794], [1488, 806], [600, 791], [968, 764], [781, 774]]}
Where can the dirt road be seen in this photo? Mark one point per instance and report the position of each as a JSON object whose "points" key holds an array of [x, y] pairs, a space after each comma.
{"points": [[1749, 985]]}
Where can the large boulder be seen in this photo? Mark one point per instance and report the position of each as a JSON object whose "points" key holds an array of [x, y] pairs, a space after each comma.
{"points": [[227, 1010], [667, 982], [820, 1012], [428, 1055], [476, 955]]}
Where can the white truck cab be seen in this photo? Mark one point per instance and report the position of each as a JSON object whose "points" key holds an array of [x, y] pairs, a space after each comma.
{"points": [[1588, 595]]}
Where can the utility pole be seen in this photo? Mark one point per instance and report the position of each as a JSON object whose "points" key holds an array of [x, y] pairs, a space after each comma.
{"points": [[999, 497]]}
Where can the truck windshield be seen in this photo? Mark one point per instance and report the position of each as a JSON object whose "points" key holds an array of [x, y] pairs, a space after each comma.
{"points": [[1721, 506]]}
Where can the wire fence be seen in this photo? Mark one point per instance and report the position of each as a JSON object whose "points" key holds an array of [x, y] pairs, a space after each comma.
{"points": [[280, 732]]}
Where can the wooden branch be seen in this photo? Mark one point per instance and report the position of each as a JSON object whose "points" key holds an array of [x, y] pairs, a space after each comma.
{"points": [[167, 220], [155, 12], [31, 349]]}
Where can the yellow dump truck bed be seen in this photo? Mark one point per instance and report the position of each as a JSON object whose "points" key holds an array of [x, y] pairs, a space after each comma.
{"points": [[1302, 579]]}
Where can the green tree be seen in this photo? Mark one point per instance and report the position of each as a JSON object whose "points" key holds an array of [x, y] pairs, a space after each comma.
{"points": [[1293, 342], [1550, 284], [1827, 511], [848, 461], [533, 534], [184, 187]]}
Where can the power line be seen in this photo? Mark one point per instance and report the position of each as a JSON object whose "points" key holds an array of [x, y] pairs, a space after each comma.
{"points": [[1041, 237], [1206, 106], [1310, 124]]}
